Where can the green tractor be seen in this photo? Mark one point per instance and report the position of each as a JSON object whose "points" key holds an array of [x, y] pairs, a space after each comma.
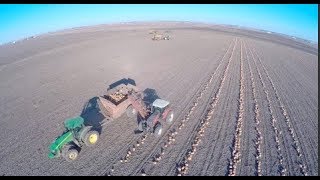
{"points": [[74, 137]]}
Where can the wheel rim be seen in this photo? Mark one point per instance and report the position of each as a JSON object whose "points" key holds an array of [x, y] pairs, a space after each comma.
{"points": [[93, 138], [72, 155], [170, 117]]}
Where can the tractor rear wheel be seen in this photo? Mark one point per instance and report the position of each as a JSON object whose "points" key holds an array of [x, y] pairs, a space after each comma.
{"points": [[91, 138], [70, 153], [169, 118], [142, 125], [131, 112], [158, 130]]}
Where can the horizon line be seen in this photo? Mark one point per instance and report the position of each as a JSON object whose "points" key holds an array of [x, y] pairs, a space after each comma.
{"points": [[137, 21]]}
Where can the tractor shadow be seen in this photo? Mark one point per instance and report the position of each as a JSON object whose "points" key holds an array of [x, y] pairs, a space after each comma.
{"points": [[150, 95], [91, 114], [122, 81]]}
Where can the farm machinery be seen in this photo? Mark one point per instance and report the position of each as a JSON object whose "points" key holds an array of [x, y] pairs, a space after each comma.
{"points": [[128, 99], [158, 112], [75, 136], [117, 101], [158, 36]]}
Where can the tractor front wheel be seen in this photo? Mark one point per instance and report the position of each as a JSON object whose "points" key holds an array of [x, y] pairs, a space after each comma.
{"points": [[158, 130], [169, 118], [70, 153], [91, 138]]}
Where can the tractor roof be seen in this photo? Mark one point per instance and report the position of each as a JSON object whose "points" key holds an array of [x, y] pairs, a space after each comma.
{"points": [[73, 122], [160, 103]]}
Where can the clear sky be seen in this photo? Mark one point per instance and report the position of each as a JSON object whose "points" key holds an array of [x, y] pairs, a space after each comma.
{"points": [[21, 21]]}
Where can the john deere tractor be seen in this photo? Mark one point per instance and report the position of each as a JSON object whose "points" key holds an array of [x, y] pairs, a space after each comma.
{"points": [[75, 136]]}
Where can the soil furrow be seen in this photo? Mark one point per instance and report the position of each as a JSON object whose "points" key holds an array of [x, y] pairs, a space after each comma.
{"points": [[236, 146], [282, 168], [159, 150], [195, 139], [257, 120], [296, 145]]}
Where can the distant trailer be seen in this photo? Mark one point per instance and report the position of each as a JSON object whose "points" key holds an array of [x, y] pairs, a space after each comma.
{"points": [[157, 37]]}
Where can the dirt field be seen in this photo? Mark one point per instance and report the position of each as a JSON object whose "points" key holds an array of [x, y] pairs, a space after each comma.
{"points": [[245, 103]]}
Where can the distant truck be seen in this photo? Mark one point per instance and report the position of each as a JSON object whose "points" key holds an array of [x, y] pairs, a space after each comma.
{"points": [[158, 36]]}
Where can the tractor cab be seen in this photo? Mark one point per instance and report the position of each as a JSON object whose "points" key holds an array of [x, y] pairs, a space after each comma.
{"points": [[74, 123], [159, 105], [159, 112]]}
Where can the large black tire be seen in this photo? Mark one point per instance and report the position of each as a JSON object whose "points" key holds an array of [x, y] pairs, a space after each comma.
{"points": [[91, 138], [131, 112], [158, 130], [169, 118], [141, 126], [70, 153]]}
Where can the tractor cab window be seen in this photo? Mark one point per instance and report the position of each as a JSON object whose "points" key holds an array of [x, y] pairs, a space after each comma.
{"points": [[155, 108], [159, 105]]}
